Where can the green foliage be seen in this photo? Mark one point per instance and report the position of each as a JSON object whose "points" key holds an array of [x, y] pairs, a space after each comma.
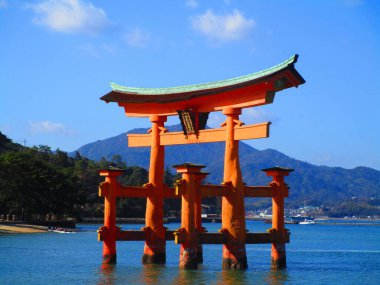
{"points": [[30, 187], [36, 183], [357, 208]]}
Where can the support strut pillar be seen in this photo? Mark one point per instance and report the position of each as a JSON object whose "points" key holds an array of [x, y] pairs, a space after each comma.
{"points": [[109, 228], [278, 252], [191, 224], [155, 243], [233, 210]]}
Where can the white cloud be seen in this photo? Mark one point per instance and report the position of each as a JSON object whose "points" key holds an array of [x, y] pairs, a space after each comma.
{"points": [[137, 38], [192, 4], [249, 116], [3, 4], [229, 27], [255, 115], [46, 127], [70, 16]]}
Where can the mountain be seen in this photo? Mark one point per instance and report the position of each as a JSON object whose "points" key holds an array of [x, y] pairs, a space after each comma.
{"points": [[311, 184]]}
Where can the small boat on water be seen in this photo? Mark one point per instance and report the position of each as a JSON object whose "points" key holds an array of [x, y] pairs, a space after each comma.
{"points": [[286, 222], [62, 230], [307, 222], [292, 222]]}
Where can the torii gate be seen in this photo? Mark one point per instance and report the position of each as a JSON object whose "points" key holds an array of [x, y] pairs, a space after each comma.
{"points": [[193, 104]]}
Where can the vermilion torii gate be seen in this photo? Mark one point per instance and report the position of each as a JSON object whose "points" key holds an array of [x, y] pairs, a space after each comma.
{"points": [[193, 104]]}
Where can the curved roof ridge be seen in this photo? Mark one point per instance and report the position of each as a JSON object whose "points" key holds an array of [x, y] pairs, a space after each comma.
{"points": [[208, 85]]}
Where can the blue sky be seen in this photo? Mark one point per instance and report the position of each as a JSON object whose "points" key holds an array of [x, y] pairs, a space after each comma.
{"points": [[57, 58]]}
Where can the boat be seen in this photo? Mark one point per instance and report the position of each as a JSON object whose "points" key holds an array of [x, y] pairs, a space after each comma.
{"points": [[211, 218], [307, 222], [62, 230], [291, 222]]}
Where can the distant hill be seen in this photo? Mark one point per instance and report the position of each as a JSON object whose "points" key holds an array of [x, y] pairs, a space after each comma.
{"points": [[7, 145], [310, 184]]}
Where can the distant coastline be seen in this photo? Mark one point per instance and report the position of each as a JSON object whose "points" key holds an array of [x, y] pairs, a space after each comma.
{"points": [[11, 228]]}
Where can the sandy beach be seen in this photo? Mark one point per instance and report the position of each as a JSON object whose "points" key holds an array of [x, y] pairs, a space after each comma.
{"points": [[10, 228]]}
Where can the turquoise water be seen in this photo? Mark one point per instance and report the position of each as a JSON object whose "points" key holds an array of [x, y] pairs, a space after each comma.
{"points": [[317, 254]]}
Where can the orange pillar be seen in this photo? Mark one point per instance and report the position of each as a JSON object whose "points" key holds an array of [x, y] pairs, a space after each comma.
{"points": [[190, 222], [155, 243], [278, 253], [233, 210], [198, 211], [109, 240]]}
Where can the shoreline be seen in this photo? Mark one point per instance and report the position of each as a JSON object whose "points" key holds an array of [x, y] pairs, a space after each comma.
{"points": [[13, 228]]}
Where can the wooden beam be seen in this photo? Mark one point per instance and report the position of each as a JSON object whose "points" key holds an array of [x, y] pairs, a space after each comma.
{"points": [[134, 191], [141, 192], [204, 238], [260, 238], [256, 131], [258, 191], [130, 235], [214, 190], [212, 238], [169, 235], [206, 191], [251, 238], [169, 192]]}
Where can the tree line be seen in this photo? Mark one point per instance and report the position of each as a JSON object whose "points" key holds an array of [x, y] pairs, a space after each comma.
{"points": [[37, 183]]}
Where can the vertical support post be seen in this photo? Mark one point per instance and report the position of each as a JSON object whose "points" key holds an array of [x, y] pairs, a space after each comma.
{"points": [[155, 243], [190, 210], [278, 252], [109, 229], [233, 210], [198, 211]]}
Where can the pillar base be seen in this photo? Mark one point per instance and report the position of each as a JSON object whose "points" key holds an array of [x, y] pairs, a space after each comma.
{"points": [[188, 259], [200, 254], [278, 256], [157, 258], [278, 264], [234, 256], [109, 259], [232, 263]]}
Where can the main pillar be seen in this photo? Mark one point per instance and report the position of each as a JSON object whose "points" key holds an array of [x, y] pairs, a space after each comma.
{"points": [[109, 240], [278, 252], [155, 243], [190, 215], [233, 210]]}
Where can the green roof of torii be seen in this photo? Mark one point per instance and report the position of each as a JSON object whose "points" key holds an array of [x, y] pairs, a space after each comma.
{"points": [[210, 85]]}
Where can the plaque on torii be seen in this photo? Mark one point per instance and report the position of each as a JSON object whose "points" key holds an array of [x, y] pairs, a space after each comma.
{"points": [[192, 104]]}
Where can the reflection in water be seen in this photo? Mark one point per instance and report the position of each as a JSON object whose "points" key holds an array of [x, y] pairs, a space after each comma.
{"points": [[190, 277], [153, 273], [232, 277], [107, 274], [161, 274], [277, 277]]}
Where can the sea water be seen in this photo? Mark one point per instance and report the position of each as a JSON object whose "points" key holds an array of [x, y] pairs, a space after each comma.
{"points": [[317, 254]]}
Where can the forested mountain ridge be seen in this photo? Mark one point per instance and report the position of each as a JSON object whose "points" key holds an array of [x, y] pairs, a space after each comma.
{"points": [[37, 183], [310, 184]]}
